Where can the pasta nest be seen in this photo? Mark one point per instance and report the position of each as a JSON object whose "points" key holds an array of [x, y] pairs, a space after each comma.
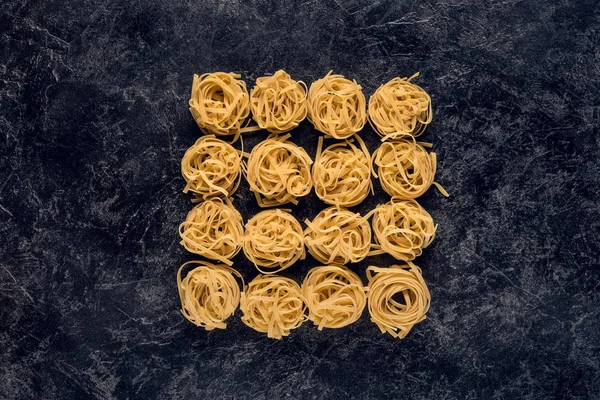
{"points": [[211, 168], [213, 229], [338, 236], [405, 169], [209, 293], [273, 240], [219, 103], [397, 317], [402, 229], [273, 305], [335, 296], [342, 174], [278, 171], [278, 102], [337, 106], [398, 108]]}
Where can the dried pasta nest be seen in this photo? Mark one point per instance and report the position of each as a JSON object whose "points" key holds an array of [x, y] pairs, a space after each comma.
{"points": [[213, 229], [392, 315], [219, 103], [399, 108], [209, 293], [402, 229], [273, 305], [278, 171], [338, 236], [335, 296], [405, 169], [211, 168], [278, 102], [342, 174], [273, 241], [337, 106]]}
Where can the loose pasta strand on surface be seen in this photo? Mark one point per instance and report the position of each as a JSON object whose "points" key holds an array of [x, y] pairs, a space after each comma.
{"points": [[393, 316], [211, 168], [209, 293], [273, 305], [213, 229], [278, 102], [335, 296], [338, 236], [399, 108], [405, 169], [341, 173], [336, 106], [402, 228], [278, 171], [273, 241]]}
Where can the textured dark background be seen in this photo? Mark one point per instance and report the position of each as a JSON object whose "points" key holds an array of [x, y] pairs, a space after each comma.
{"points": [[94, 122]]}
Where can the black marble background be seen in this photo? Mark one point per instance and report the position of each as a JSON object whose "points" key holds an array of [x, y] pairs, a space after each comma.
{"points": [[94, 122]]}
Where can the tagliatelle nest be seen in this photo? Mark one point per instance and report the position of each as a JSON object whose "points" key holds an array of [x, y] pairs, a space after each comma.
{"points": [[342, 174], [278, 102], [278, 171], [211, 168], [213, 229], [405, 169], [209, 293], [397, 316], [272, 304], [338, 236], [273, 241], [335, 296], [399, 108], [337, 106], [402, 229]]}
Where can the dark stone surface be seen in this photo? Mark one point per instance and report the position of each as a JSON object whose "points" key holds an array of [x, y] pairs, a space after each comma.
{"points": [[94, 122]]}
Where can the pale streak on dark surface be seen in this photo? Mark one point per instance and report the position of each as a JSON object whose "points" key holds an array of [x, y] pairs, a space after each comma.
{"points": [[94, 122]]}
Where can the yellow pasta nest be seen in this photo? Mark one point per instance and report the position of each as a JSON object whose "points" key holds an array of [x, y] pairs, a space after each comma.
{"points": [[278, 102], [213, 229], [342, 174], [398, 108], [397, 316], [337, 106], [405, 169], [402, 229], [338, 236], [335, 296], [219, 103], [209, 294], [273, 305], [211, 168], [274, 241], [278, 171]]}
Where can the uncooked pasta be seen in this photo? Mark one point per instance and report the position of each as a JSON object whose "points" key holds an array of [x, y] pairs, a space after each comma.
{"points": [[337, 106], [338, 236], [273, 305], [399, 108], [394, 315], [209, 293], [341, 173], [213, 229], [405, 169], [278, 102], [335, 296], [211, 168], [278, 171], [402, 228], [220, 103], [273, 241]]}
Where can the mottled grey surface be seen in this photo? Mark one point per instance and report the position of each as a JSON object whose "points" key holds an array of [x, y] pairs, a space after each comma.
{"points": [[94, 122]]}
